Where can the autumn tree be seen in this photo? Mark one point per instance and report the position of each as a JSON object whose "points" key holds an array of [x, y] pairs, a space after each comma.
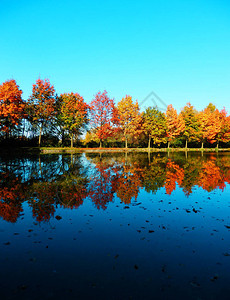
{"points": [[12, 107], [73, 113], [129, 118], [154, 124], [175, 124], [191, 130], [204, 118], [221, 128], [214, 125], [41, 104], [103, 116]]}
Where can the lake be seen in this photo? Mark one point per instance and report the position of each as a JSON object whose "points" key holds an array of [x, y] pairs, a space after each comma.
{"points": [[115, 226]]}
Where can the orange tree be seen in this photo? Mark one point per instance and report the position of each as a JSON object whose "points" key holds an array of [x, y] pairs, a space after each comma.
{"points": [[129, 118], [41, 104], [204, 117], [72, 113], [103, 116], [223, 127], [175, 124], [215, 125], [12, 107]]}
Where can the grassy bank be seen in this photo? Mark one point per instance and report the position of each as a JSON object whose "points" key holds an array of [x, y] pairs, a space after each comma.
{"points": [[117, 150], [53, 150]]}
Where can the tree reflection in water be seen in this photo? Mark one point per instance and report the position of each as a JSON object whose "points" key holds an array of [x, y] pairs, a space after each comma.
{"points": [[49, 181]]}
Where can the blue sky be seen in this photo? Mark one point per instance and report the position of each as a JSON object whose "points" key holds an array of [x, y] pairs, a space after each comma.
{"points": [[178, 49]]}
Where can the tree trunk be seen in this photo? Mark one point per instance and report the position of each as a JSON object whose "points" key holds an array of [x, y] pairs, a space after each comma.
{"points": [[126, 143], [217, 145], [186, 144], [62, 137], [71, 140], [168, 144], [149, 143], [202, 145], [100, 144], [40, 136]]}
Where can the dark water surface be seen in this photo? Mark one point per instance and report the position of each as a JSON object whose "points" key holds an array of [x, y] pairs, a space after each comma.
{"points": [[115, 226]]}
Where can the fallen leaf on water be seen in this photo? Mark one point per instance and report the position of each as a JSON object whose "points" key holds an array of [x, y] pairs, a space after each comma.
{"points": [[214, 278], [195, 284]]}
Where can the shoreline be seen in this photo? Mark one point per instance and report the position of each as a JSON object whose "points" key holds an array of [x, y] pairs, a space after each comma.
{"points": [[68, 150], [129, 150]]}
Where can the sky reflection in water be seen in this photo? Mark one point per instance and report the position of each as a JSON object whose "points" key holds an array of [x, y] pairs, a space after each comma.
{"points": [[115, 226]]}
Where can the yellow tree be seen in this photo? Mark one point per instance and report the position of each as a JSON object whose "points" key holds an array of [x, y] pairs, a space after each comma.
{"points": [[129, 117]]}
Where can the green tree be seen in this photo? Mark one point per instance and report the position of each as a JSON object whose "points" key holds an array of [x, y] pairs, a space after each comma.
{"points": [[154, 124], [190, 117], [73, 113]]}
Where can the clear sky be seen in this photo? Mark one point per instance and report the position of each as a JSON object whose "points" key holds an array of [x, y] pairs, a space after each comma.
{"points": [[178, 49]]}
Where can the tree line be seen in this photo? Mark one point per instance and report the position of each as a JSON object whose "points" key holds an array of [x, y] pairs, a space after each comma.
{"points": [[64, 118]]}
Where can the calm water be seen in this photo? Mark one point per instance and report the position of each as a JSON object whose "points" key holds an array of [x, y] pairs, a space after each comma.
{"points": [[115, 226]]}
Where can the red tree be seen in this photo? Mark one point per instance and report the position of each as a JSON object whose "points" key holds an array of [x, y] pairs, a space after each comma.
{"points": [[41, 104], [103, 116], [11, 106]]}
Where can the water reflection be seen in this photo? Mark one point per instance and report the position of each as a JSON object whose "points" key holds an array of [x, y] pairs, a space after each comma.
{"points": [[49, 181]]}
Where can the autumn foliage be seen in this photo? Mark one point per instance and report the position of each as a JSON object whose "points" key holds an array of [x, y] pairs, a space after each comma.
{"points": [[73, 113], [103, 122], [41, 104], [103, 116], [129, 118], [11, 106]]}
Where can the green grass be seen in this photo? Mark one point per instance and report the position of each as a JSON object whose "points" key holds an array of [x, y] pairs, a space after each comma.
{"points": [[49, 150], [61, 150]]}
